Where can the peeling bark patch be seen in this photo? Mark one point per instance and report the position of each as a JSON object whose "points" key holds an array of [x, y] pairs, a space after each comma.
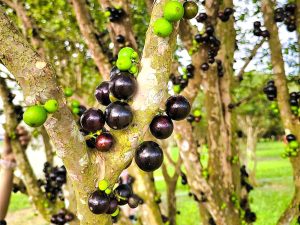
{"points": [[40, 65], [83, 162], [185, 145]]}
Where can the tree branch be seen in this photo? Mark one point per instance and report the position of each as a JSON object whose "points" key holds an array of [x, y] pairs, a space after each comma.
{"points": [[88, 31], [249, 59], [45, 207]]}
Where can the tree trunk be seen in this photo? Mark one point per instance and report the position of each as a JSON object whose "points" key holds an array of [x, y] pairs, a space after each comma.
{"points": [[48, 147], [291, 124]]}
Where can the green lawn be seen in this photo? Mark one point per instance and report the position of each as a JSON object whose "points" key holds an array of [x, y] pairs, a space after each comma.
{"points": [[268, 199]]}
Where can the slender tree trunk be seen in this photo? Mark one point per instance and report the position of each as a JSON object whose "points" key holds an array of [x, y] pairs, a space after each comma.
{"points": [[144, 187], [291, 124], [48, 147]]}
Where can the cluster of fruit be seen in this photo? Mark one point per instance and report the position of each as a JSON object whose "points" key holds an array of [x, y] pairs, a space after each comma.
{"points": [[114, 14], [106, 201], [17, 108], [270, 90], [292, 148], [249, 216], [181, 82], [224, 16], [259, 32], [294, 102], [195, 117], [62, 217], [55, 179], [287, 14], [36, 115], [74, 104], [211, 42], [173, 12]]}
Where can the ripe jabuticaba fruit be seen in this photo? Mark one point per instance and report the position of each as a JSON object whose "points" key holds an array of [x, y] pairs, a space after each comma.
{"points": [[104, 142], [123, 86], [161, 127], [123, 192], [92, 120], [178, 107], [149, 156], [118, 115], [102, 93], [98, 202]]}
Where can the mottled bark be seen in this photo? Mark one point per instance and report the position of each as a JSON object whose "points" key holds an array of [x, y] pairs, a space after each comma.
{"points": [[29, 28], [144, 187], [37, 79], [45, 207], [89, 33], [123, 27], [291, 124]]}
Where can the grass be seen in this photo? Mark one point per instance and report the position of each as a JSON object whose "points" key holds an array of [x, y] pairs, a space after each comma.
{"points": [[268, 199]]}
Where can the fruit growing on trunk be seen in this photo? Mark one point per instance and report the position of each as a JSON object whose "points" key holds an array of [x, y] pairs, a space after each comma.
{"points": [[123, 86], [162, 27], [98, 202], [190, 9], [149, 156], [173, 11], [92, 120], [102, 93], [104, 142], [118, 115], [161, 127], [177, 107], [35, 116]]}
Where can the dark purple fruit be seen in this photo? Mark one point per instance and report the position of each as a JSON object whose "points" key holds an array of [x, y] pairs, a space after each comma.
{"points": [[120, 39], [190, 68], [104, 142], [98, 202], [69, 217], [114, 72], [149, 156], [123, 192], [178, 107], [290, 137], [133, 201], [92, 120], [228, 11], [201, 17], [113, 205], [102, 93], [118, 115], [257, 24], [123, 86], [204, 66], [161, 127], [265, 34]]}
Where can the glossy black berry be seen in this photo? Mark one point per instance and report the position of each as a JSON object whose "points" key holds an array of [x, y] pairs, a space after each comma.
{"points": [[133, 201], [161, 127], [204, 66], [123, 192], [228, 11], [92, 120], [257, 24], [177, 107], [201, 17], [104, 142], [102, 93], [120, 39], [123, 86], [149, 156], [118, 115], [98, 202], [114, 72], [113, 205], [290, 137]]}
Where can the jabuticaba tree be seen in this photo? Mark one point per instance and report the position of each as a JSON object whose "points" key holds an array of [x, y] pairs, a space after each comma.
{"points": [[290, 120], [85, 168]]}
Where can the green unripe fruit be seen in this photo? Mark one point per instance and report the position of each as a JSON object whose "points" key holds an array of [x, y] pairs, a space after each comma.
{"points": [[107, 14], [197, 112], [294, 154], [103, 185], [162, 27], [293, 144], [68, 92], [190, 9], [173, 11], [108, 191], [51, 106], [177, 88], [276, 111], [75, 110], [126, 52], [273, 105], [134, 55], [35, 116], [133, 69], [116, 213], [124, 63], [75, 104]]}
